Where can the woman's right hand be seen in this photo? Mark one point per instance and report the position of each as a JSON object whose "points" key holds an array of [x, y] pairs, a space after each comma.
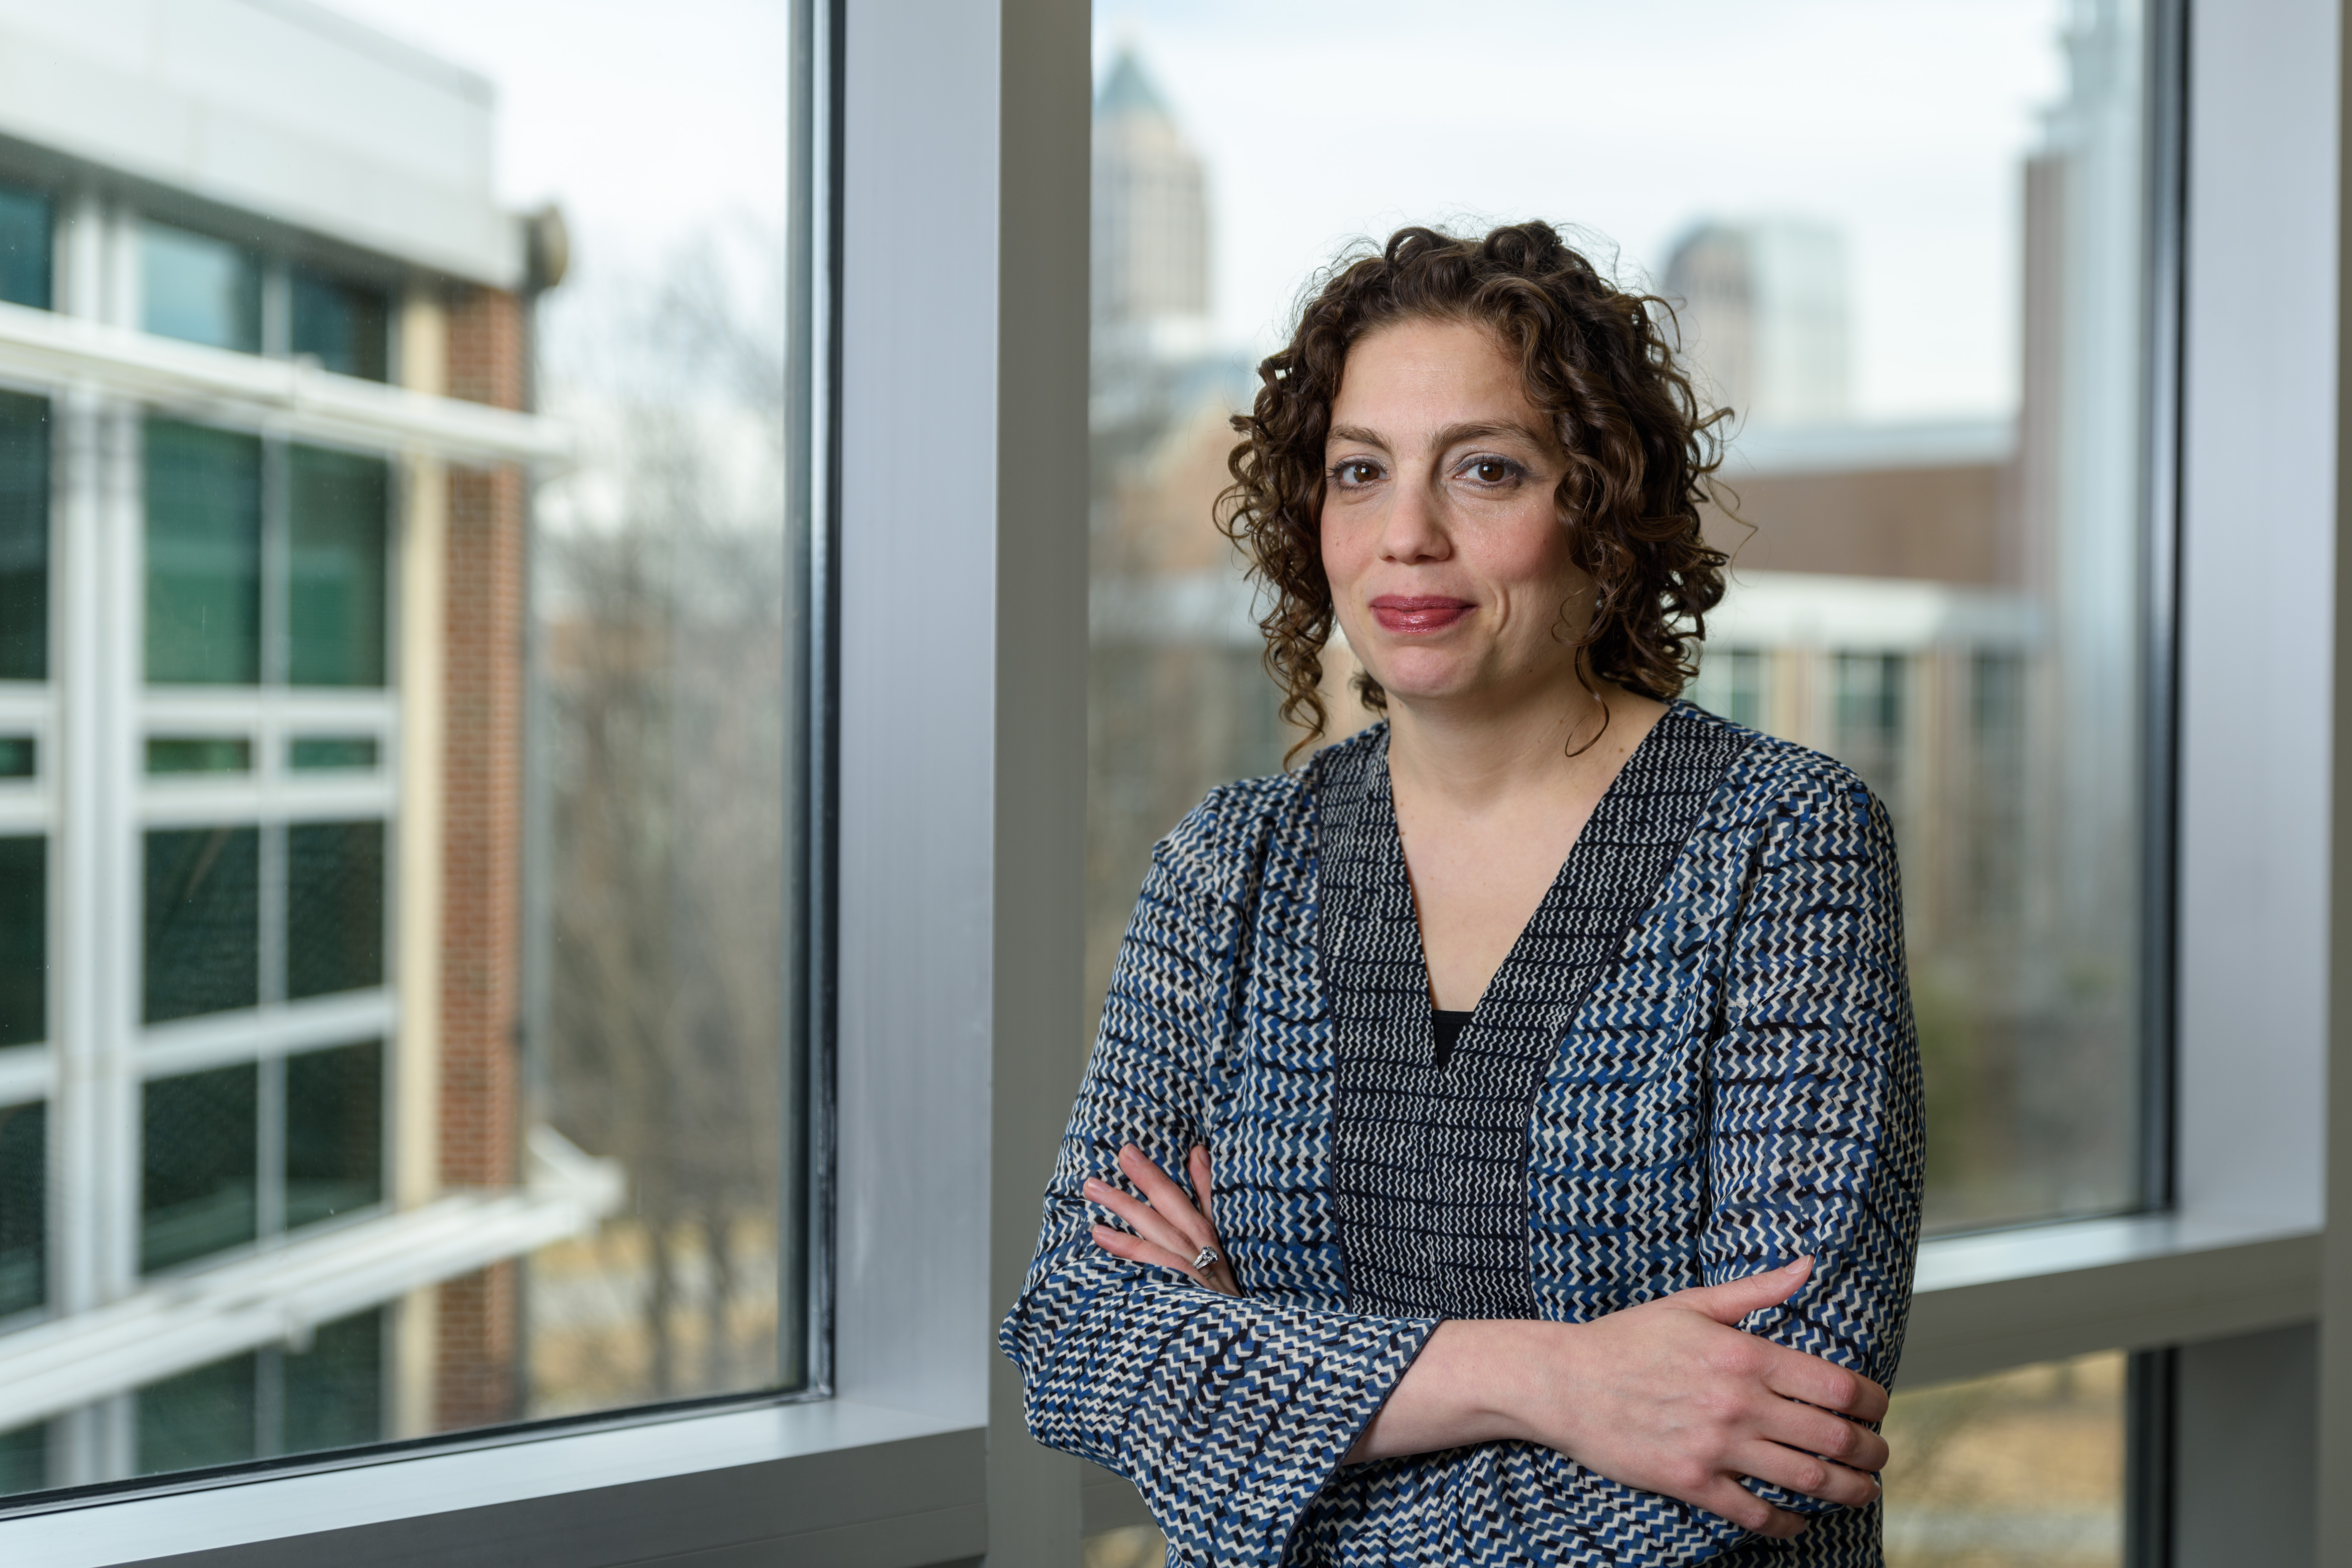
{"points": [[1667, 1398]]}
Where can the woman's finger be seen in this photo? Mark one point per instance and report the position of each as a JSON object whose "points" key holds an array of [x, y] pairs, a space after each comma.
{"points": [[1811, 1431], [1735, 1502], [1141, 1217], [1135, 1250], [1198, 1163], [1171, 1200], [1793, 1374], [1806, 1474]]}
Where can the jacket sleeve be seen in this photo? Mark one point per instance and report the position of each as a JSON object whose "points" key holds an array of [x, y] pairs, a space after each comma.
{"points": [[1228, 1414], [1814, 1148]]}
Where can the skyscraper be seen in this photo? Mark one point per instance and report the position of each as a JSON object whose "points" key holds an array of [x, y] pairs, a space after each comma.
{"points": [[1763, 311], [1151, 240]]}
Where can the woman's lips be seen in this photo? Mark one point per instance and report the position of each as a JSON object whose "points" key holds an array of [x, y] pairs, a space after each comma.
{"points": [[1397, 613]]}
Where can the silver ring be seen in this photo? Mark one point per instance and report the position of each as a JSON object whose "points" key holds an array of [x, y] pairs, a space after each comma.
{"points": [[1208, 1255]]}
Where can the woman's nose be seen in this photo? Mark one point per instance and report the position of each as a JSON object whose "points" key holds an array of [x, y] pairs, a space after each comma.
{"points": [[1413, 528]]}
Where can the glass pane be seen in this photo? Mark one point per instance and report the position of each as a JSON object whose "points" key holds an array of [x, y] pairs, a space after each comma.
{"points": [[26, 247], [305, 753], [1930, 339], [333, 1391], [199, 1165], [204, 922], [23, 939], [24, 1207], [336, 616], [199, 754], [334, 907], [24, 1459], [203, 1418], [2023, 1471], [24, 537], [341, 325], [203, 554], [19, 757], [334, 1132], [202, 289]]}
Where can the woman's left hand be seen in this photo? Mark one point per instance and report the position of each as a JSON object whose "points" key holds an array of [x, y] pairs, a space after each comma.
{"points": [[1170, 1231]]}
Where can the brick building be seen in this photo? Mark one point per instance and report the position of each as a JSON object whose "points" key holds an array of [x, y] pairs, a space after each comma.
{"points": [[266, 456]]}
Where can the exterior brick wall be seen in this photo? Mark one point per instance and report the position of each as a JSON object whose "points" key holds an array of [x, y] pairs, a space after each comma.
{"points": [[477, 1333]]}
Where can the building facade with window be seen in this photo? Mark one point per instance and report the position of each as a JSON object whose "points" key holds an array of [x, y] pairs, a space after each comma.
{"points": [[264, 468]]}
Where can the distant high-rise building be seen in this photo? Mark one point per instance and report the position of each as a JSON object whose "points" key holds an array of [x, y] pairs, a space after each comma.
{"points": [[1763, 310], [1150, 239]]}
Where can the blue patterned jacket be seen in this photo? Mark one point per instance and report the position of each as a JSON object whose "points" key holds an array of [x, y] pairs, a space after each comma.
{"points": [[1698, 1062]]}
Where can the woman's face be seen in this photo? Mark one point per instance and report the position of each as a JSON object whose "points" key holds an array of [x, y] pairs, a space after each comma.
{"points": [[1448, 560]]}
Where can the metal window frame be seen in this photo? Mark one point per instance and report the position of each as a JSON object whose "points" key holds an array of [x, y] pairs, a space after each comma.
{"points": [[959, 165]]}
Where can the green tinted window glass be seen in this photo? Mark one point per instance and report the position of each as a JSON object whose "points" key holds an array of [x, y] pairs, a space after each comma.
{"points": [[23, 939], [24, 537], [334, 907], [335, 1390], [200, 1419], [343, 326], [24, 1207], [19, 757], [199, 754], [26, 248], [335, 620], [305, 753], [204, 922], [24, 1459], [334, 1132], [198, 1172], [203, 555], [199, 289]]}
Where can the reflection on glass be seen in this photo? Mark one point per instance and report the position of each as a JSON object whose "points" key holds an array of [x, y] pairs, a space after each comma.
{"points": [[334, 1132], [341, 325], [24, 1459], [2023, 1471], [23, 939], [333, 1392], [26, 248], [269, 1402], [307, 753], [1931, 476], [202, 922], [203, 554], [199, 754], [334, 907], [199, 1164], [19, 757], [24, 537], [335, 613], [23, 1206], [198, 288], [199, 1418]]}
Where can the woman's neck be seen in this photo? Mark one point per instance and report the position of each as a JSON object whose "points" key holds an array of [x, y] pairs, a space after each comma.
{"points": [[1558, 740]]}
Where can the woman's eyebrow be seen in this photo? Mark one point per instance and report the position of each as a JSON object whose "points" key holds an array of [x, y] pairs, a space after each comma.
{"points": [[1484, 429], [1355, 433]]}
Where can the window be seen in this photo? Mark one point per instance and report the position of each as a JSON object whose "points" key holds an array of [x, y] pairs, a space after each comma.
{"points": [[24, 537], [198, 288], [343, 326], [1933, 477], [25, 245]]}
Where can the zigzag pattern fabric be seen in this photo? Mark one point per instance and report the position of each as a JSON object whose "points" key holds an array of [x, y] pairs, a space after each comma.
{"points": [[1431, 1162], [1738, 1086]]}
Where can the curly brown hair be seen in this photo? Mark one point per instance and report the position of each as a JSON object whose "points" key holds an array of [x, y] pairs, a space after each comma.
{"points": [[1642, 452]]}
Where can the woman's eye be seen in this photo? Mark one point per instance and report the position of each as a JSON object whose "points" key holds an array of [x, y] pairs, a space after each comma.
{"points": [[1490, 470], [1356, 471]]}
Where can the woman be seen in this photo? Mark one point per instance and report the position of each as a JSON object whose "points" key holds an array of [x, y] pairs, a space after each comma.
{"points": [[1540, 1059]]}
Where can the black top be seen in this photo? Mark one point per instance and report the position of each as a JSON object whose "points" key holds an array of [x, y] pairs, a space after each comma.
{"points": [[1447, 1027]]}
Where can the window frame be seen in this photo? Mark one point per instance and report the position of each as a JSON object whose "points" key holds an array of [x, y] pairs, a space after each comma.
{"points": [[918, 1454]]}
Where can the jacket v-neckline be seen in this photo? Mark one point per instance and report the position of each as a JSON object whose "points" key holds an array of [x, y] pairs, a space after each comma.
{"points": [[1381, 800]]}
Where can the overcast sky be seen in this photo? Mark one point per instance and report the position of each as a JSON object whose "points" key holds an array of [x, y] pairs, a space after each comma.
{"points": [[1901, 121]]}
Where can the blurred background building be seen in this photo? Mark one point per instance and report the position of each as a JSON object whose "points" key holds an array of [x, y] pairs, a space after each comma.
{"points": [[265, 1163]]}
